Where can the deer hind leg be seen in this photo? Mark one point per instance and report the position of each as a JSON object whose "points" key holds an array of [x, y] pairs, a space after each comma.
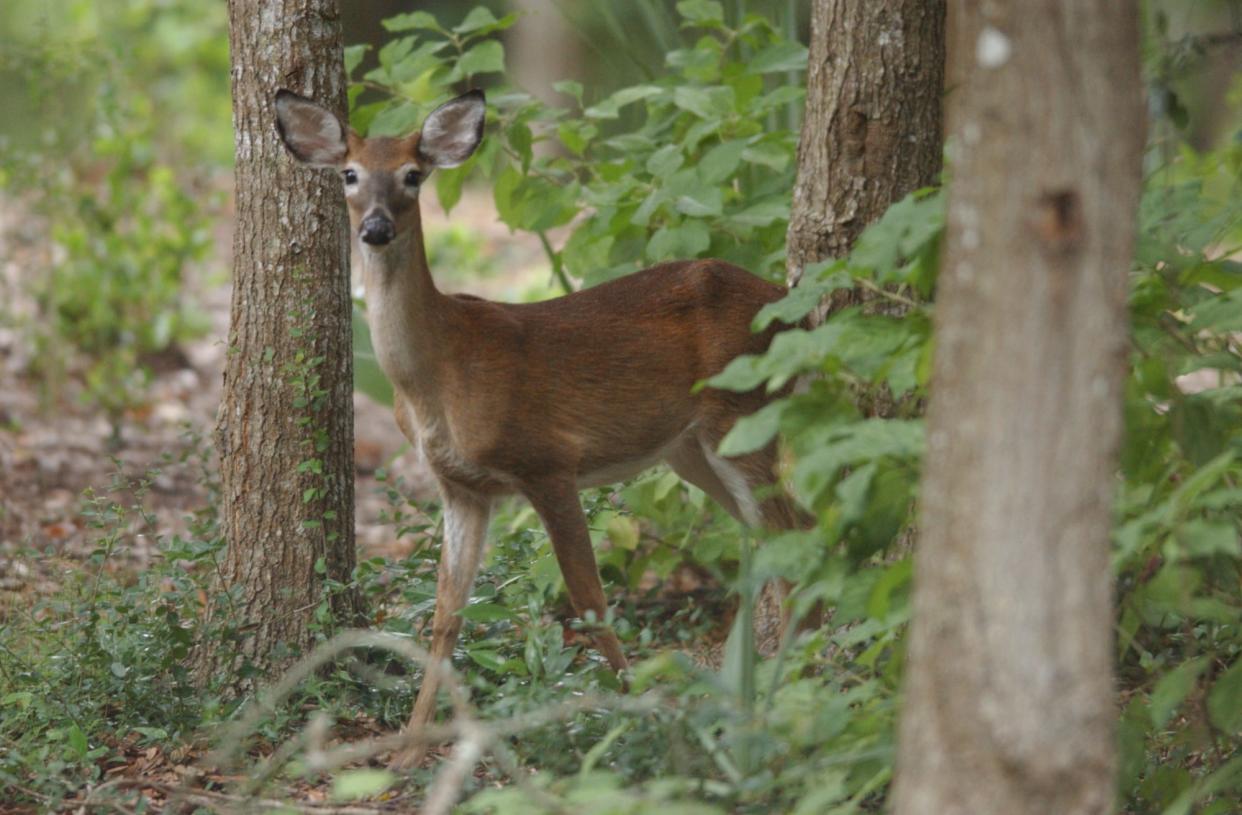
{"points": [[466, 516], [748, 488], [558, 507]]}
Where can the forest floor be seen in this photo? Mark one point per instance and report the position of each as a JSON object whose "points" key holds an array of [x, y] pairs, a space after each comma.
{"points": [[54, 446], [56, 449]]}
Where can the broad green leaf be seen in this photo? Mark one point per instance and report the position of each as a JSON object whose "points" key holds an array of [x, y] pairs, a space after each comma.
{"points": [[76, 740], [623, 532], [702, 12], [686, 240], [368, 377], [668, 159], [705, 103], [398, 120], [485, 613], [479, 17], [351, 785], [610, 108], [449, 184], [354, 55], [1209, 538], [781, 56], [760, 214], [753, 432], [20, 699], [890, 594], [1172, 688], [1220, 313], [801, 299], [414, 20], [1224, 701], [721, 161], [702, 203], [854, 444], [569, 87], [487, 57]]}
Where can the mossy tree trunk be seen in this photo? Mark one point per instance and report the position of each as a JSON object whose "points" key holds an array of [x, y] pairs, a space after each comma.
{"points": [[285, 427], [1009, 700]]}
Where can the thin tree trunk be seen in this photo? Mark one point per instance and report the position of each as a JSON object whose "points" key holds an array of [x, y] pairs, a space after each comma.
{"points": [[872, 132], [285, 427], [1009, 691]]}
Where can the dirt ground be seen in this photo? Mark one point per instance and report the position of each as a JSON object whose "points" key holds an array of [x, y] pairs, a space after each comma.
{"points": [[52, 450]]}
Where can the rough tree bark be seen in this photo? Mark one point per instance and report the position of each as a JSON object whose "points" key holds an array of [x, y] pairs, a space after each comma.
{"points": [[872, 131], [1009, 692], [285, 427], [871, 134]]}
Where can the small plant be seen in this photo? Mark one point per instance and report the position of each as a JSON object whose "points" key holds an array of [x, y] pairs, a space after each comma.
{"points": [[124, 221]]}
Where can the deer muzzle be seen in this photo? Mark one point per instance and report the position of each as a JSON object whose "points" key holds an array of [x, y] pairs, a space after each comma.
{"points": [[376, 230]]}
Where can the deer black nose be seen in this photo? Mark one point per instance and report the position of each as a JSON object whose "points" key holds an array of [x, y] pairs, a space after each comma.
{"points": [[376, 230]]}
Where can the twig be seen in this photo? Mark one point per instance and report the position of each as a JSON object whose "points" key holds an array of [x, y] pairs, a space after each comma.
{"points": [[891, 295], [558, 264]]}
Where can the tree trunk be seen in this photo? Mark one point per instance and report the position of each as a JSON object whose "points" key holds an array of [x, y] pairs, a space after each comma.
{"points": [[872, 131], [1009, 692], [871, 135], [285, 426]]}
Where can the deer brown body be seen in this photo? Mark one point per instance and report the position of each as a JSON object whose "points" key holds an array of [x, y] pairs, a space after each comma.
{"points": [[539, 399]]}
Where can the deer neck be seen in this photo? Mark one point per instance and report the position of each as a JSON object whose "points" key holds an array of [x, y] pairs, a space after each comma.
{"points": [[404, 312]]}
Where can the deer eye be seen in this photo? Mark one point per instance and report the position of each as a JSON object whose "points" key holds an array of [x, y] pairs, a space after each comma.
{"points": [[413, 178], [350, 176]]}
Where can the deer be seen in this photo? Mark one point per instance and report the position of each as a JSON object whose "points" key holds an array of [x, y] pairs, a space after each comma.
{"points": [[539, 399]]}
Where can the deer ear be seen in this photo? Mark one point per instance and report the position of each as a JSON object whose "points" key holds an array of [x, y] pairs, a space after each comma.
{"points": [[453, 130], [311, 133]]}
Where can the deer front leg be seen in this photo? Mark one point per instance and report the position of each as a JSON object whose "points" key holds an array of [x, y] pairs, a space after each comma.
{"points": [[558, 507], [465, 532]]}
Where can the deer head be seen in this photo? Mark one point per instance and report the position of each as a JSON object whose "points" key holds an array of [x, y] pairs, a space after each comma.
{"points": [[381, 175]]}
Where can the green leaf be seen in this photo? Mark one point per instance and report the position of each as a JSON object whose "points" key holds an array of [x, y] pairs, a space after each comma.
{"points": [[479, 17], [414, 20], [1224, 701], [665, 161], [354, 55], [1208, 538], [688, 240], [721, 161], [702, 12], [397, 120], [485, 613], [21, 699], [1172, 688], [569, 87], [521, 139], [369, 378], [891, 593], [77, 741], [704, 102], [760, 214], [853, 444], [753, 432], [701, 203], [489, 659], [487, 57], [351, 785], [1220, 313], [610, 108], [449, 183], [781, 56], [802, 299]]}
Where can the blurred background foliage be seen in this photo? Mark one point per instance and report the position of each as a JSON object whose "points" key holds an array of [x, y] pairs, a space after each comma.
{"points": [[620, 135]]}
